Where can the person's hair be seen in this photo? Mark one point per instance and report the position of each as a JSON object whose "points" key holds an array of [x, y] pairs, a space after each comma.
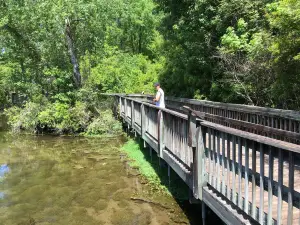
{"points": [[156, 84]]}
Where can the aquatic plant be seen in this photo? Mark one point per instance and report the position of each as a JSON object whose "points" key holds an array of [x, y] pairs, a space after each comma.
{"points": [[156, 176]]}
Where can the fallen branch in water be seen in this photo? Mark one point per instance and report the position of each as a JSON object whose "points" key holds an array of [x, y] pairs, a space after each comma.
{"points": [[148, 201]]}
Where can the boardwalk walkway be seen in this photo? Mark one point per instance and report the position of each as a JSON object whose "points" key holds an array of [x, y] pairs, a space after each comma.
{"points": [[241, 161]]}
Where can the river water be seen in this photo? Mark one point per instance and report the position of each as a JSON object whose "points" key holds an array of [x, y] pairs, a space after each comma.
{"points": [[67, 180], [61, 180]]}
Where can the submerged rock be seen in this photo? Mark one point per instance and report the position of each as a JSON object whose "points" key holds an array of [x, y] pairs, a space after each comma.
{"points": [[78, 167], [97, 158]]}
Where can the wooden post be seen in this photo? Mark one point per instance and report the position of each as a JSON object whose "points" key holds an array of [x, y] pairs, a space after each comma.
{"points": [[125, 108], [143, 119], [132, 115], [192, 129], [203, 208], [150, 151], [120, 102], [161, 143], [199, 173], [169, 174]]}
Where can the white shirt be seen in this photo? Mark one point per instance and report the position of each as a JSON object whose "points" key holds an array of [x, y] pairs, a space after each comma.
{"points": [[161, 102]]}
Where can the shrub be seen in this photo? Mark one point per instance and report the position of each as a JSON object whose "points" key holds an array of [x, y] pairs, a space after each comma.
{"points": [[25, 118], [62, 117], [104, 124]]}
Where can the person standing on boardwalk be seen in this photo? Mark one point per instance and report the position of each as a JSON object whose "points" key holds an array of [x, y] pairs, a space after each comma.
{"points": [[160, 96]]}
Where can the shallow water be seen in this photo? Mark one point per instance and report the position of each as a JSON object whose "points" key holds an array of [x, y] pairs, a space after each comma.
{"points": [[65, 180]]}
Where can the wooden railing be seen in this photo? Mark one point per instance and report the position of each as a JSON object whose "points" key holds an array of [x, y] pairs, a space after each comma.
{"points": [[275, 123], [258, 175]]}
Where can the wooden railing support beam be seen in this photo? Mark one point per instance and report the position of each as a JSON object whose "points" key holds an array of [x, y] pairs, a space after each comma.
{"points": [[120, 103], [132, 115], [125, 108], [192, 130], [161, 141], [199, 172], [143, 121]]}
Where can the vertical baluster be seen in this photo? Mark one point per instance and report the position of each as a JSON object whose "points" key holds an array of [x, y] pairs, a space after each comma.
{"points": [[178, 152], [253, 210], [218, 162], [132, 115], [280, 183], [290, 125], [285, 128], [240, 173], [272, 125], [223, 164], [129, 109], [261, 180], [246, 177], [291, 188], [210, 157], [228, 166], [281, 127], [125, 108], [173, 136], [270, 186], [214, 159], [233, 169], [247, 120]]}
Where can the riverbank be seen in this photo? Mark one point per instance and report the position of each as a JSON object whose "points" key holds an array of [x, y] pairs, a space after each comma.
{"points": [[152, 172]]}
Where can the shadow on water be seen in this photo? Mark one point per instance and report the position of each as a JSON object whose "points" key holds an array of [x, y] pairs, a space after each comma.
{"points": [[177, 187]]}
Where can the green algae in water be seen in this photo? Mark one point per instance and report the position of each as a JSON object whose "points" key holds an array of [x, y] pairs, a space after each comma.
{"points": [[157, 178]]}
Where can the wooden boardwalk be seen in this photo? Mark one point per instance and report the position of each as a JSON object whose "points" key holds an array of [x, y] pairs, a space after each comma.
{"points": [[241, 161]]}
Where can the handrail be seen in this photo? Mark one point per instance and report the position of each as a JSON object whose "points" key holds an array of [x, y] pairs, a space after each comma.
{"points": [[181, 115], [291, 114], [254, 137], [274, 123]]}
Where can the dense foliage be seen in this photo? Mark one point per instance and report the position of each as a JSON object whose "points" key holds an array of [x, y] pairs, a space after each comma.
{"points": [[55, 55], [62, 118], [243, 51]]}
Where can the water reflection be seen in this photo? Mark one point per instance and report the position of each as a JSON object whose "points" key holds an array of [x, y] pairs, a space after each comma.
{"points": [[3, 170]]}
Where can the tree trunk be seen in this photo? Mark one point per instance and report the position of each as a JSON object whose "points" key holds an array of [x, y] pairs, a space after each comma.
{"points": [[71, 49], [140, 40]]}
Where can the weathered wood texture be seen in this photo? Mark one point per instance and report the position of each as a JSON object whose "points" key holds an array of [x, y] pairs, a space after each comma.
{"points": [[258, 175], [275, 123], [270, 188]]}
